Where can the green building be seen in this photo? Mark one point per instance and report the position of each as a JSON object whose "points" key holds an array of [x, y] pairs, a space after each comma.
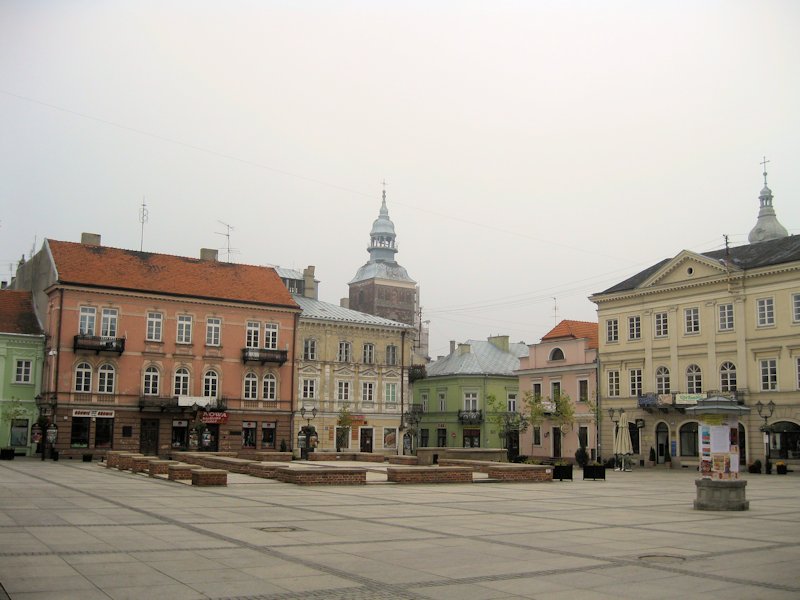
{"points": [[451, 401], [21, 361]]}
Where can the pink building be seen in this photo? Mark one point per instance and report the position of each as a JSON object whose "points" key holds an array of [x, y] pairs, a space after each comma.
{"points": [[564, 362]]}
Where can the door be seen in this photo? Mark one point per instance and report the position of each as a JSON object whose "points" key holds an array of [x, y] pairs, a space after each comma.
{"points": [[662, 442], [366, 439], [472, 438], [148, 439], [512, 445], [556, 442]]}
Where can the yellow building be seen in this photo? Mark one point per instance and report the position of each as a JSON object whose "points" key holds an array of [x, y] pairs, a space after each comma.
{"points": [[724, 322]]}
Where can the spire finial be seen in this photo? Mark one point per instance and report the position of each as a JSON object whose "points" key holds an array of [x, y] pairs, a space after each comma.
{"points": [[764, 164], [384, 190]]}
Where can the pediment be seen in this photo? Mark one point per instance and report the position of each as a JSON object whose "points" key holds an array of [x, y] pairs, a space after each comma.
{"points": [[391, 373], [309, 370], [369, 373], [344, 371], [687, 267]]}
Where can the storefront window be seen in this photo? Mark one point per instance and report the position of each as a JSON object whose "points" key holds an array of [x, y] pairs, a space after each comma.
{"points": [[268, 435], [103, 433], [79, 435], [19, 432], [249, 434]]}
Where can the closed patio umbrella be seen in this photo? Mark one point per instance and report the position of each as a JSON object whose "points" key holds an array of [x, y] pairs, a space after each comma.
{"points": [[622, 440]]}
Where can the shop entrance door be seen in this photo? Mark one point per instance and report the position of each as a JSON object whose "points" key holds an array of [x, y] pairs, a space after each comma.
{"points": [[366, 439], [472, 438], [148, 439], [556, 442]]}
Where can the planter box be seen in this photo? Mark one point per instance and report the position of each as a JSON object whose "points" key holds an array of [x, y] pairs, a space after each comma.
{"points": [[562, 472], [594, 472], [87, 458], [6, 454], [781, 469]]}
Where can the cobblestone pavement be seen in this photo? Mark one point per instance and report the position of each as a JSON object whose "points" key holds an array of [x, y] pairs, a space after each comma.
{"points": [[77, 530]]}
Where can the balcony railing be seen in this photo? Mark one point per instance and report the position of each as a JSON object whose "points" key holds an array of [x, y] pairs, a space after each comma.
{"points": [[264, 355], [98, 344], [163, 404], [470, 417]]}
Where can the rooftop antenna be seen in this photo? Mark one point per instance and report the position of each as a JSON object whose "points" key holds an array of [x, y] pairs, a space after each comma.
{"points": [[143, 214], [227, 234], [555, 311]]}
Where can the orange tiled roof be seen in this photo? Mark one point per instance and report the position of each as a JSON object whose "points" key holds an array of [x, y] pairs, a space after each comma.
{"points": [[114, 268], [575, 330], [16, 313]]}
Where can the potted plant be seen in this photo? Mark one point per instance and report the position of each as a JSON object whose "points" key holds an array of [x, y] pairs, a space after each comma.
{"points": [[651, 459], [581, 456], [780, 467], [754, 467], [562, 470], [594, 471]]}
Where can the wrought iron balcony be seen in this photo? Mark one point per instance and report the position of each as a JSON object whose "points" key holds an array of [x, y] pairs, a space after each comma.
{"points": [[470, 417], [264, 355], [98, 344], [163, 404], [416, 372]]}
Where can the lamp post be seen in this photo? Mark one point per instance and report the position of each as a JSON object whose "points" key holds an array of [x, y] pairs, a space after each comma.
{"points": [[307, 438], [412, 419], [765, 412], [313, 413], [611, 412]]}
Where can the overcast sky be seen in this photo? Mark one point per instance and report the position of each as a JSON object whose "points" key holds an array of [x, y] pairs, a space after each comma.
{"points": [[532, 150]]}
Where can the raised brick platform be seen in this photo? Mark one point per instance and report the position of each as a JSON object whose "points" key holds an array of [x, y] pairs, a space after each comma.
{"points": [[180, 471], [159, 467], [503, 471], [140, 464], [271, 456], [429, 474], [265, 470], [322, 476], [403, 460], [125, 461], [207, 477], [348, 456], [112, 458]]}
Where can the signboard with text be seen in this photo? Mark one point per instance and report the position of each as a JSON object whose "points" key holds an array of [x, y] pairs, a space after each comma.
{"points": [[214, 418]]}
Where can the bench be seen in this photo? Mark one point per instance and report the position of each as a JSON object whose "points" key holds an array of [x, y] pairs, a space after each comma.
{"points": [[429, 474], [265, 470], [208, 477], [159, 467], [125, 460], [322, 476], [180, 471], [139, 464]]}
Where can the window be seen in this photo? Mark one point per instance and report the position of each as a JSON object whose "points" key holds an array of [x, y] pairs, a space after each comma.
{"points": [[796, 308], [725, 317], [184, 329], [83, 378], [613, 383], [271, 336], [155, 321], [512, 402], [367, 392], [108, 322], [537, 436], [765, 312], [250, 386], [662, 380], [23, 371], [87, 320], [213, 329], [442, 402], [424, 438], [583, 390], [345, 353], [769, 374], [252, 334], [343, 391], [555, 389], [536, 388], [557, 354], [105, 379], [694, 379], [181, 387], [309, 389], [391, 355], [249, 434], [103, 433], [423, 400], [662, 324], [389, 438], [369, 354], [636, 382], [150, 381], [612, 330], [691, 320], [688, 439], [798, 372], [309, 349], [210, 384], [635, 328], [79, 433], [727, 377], [583, 436], [470, 400], [391, 393], [268, 437], [270, 387]]}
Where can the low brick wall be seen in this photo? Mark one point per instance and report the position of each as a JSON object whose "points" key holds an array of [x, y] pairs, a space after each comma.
{"points": [[427, 454], [518, 472], [348, 456], [112, 458], [206, 477], [271, 456], [429, 474], [332, 476], [159, 467], [180, 471], [125, 461], [139, 464], [403, 460], [265, 470]]}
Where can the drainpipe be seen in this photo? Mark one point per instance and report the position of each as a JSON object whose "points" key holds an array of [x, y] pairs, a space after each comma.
{"points": [[401, 441], [598, 412], [294, 382]]}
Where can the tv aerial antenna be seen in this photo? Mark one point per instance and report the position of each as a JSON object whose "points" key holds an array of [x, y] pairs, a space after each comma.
{"points": [[227, 236], [143, 215]]}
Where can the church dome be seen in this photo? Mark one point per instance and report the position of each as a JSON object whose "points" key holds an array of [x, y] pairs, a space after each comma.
{"points": [[767, 226]]}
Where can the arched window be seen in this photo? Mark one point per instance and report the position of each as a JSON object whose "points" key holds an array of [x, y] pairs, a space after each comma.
{"points": [[151, 381], [270, 387], [181, 386], [662, 380], [784, 440], [688, 439], [106, 376], [210, 384], [557, 354], [727, 377], [694, 379], [250, 386], [83, 378]]}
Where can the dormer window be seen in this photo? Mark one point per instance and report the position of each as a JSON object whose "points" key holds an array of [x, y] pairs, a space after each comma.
{"points": [[557, 354]]}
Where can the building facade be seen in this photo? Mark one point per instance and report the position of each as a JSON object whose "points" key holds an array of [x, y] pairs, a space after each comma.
{"points": [[21, 362], [564, 362], [151, 352], [453, 399]]}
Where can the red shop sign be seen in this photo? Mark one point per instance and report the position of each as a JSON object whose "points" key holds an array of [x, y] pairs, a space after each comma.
{"points": [[214, 418]]}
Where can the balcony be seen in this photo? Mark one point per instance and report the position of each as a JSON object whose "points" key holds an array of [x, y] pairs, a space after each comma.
{"points": [[98, 344], [159, 403], [264, 355], [416, 372], [470, 417]]}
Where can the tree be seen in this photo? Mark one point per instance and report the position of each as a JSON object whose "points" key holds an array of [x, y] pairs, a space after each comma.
{"points": [[506, 422], [343, 422]]}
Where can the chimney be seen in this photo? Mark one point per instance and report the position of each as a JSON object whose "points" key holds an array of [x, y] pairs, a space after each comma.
{"points": [[309, 283], [208, 254], [500, 342], [464, 349], [344, 302], [91, 239], [452, 346]]}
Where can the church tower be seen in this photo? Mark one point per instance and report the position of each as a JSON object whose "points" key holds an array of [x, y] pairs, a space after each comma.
{"points": [[767, 227]]}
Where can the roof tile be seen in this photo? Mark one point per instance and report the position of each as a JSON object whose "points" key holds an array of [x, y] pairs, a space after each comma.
{"points": [[17, 314], [575, 330]]}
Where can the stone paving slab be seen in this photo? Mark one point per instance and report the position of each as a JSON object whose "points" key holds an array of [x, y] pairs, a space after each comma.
{"points": [[72, 530]]}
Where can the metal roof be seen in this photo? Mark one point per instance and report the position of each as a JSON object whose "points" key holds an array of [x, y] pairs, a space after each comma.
{"points": [[325, 311], [483, 358]]}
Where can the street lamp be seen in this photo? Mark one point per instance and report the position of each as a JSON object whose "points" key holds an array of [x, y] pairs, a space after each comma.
{"points": [[308, 419], [307, 437], [765, 412]]}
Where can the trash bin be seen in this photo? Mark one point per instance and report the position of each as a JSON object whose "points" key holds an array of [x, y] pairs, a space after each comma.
{"points": [[87, 458], [53, 453]]}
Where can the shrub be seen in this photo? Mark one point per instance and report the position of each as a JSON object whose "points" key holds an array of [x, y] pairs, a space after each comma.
{"points": [[581, 456], [283, 446], [754, 467]]}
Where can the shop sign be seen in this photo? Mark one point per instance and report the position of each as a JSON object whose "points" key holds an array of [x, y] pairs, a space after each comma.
{"points": [[688, 399], [214, 418], [180, 423], [249, 424], [100, 414], [269, 425]]}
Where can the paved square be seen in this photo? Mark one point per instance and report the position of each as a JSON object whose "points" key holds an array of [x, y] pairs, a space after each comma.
{"points": [[77, 530]]}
